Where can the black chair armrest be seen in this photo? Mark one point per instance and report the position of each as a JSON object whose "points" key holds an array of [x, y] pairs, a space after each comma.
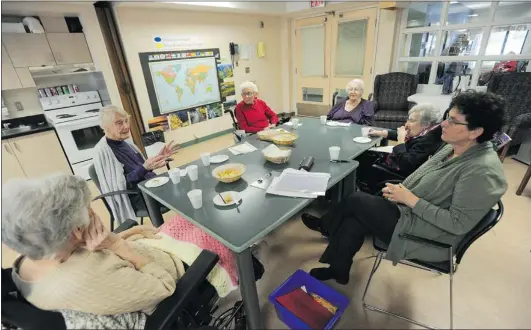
{"points": [[388, 171], [114, 193], [127, 224], [369, 97], [424, 241], [167, 312]]}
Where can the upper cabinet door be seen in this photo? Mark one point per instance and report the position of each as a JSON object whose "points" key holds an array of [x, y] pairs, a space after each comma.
{"points": [[69, 48], [28, 49], [10, 79]]}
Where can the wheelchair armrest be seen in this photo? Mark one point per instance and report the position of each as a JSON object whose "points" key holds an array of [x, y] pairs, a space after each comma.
{"points": [[369, 97], [114, 193], [424, 241], [387, 170], [168, 311], [127, 224]]}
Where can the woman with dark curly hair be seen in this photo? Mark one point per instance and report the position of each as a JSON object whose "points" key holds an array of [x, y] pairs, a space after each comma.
{"points": [[442, 200]]}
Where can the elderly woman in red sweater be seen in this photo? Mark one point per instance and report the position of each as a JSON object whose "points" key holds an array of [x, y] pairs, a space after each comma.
{"points": [[253, 114]]}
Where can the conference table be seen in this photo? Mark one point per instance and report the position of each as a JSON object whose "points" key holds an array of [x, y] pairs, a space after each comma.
{"points": [[238, 227]]}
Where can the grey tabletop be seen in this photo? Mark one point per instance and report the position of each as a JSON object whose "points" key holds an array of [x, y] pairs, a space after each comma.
{"points": [[259, 213]]}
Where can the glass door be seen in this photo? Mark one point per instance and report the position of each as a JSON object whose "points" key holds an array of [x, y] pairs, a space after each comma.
{"points": [[353, 49]]}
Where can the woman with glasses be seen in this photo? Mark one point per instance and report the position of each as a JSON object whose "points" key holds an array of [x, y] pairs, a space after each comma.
{"points": [[253, 115], [354, 109], [442, 200]]}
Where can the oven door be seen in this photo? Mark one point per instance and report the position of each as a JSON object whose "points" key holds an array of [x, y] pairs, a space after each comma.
{"points": [[79, 138]]}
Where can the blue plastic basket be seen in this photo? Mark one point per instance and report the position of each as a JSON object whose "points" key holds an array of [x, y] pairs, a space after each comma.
{"points": [[298, 279]]}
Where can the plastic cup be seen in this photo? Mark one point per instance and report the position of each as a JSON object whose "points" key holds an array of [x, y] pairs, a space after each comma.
{"points": [[365, 131], [175, 175], [334, 153], [193, 172], [323, 120], [205, 158], [295, 122], [196, 198]]}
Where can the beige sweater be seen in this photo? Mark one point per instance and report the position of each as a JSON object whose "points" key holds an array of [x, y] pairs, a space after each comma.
{"points": [[102, 283]]}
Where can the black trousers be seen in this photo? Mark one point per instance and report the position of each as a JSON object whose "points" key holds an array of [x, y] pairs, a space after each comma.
{"points": [[357, 216]]}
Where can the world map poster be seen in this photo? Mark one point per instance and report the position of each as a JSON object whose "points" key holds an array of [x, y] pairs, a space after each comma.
{"points": [[185, 83]]}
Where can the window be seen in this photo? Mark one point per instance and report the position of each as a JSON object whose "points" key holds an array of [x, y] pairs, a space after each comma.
{"points": [[313, 58], [464, 40], [350, 51]]}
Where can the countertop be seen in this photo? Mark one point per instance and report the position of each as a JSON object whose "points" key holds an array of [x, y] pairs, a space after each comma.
{"points": [[13, 132]]}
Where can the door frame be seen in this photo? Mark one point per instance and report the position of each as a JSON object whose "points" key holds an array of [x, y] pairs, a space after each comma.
{"points": [[293, 49]]}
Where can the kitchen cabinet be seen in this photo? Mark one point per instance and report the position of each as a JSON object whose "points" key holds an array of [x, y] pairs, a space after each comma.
{"points": [[9, 75], [28, 49], [10, 166], [37, 155], [69, 48], [25, 77]]}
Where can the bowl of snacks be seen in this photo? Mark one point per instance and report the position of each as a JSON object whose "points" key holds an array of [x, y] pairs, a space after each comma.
{"points": [[269, 134], [229, 172], [277, 155], [285, 139]]}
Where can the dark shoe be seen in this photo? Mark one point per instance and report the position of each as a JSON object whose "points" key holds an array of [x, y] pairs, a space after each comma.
{"points": [[325, 274], [313, 223]]}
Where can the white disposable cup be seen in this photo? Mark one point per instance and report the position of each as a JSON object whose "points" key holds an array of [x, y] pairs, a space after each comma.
{"points": [[205, 158], [334, 153], [193, 172], [323, 120], [175, 175], [365, 131], [295, 122], [196, 198]]}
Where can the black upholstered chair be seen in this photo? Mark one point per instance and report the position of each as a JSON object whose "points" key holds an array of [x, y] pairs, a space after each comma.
{"points": [[514, 88], [391, 91], [445, 267]]}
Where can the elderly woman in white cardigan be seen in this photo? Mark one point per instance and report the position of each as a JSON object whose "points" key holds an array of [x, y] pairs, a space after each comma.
{"points": [[120, 165]]}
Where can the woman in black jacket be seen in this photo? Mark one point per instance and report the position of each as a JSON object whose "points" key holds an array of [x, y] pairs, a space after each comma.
{"points": [[417, 141]]}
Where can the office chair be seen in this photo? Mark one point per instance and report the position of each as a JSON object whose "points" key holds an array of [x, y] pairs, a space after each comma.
{"points": [[140, 213], [191, 305], [444, 267]]}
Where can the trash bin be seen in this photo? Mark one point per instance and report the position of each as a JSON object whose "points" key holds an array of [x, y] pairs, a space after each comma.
{"points": [[301, 278]]}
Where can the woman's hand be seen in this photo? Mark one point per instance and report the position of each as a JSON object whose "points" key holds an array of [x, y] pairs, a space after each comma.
{"points": [[168, 149], [145, 231], [401, 134], [375, 132], [155, 162], [96, 236], [397, 193]]}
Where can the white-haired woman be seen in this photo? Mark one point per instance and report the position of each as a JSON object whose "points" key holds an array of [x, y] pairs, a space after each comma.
{"points": [[253, 115], [354, 109], [120, 165], [71, 262], [417, 141]]}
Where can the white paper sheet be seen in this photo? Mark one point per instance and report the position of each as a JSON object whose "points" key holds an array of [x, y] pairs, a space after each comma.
{"points": [[294, 183], [243, 148], [386, 149], [337, 123]]}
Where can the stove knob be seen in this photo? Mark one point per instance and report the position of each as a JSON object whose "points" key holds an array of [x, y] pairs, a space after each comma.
{"points": [[50, 102], [88, 97], [94, 96], [56, 101]]}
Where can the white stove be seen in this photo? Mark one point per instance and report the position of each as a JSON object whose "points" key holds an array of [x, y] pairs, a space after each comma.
{"points": [[76, 120]]}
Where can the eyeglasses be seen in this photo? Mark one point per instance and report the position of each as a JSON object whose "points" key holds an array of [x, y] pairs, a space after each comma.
{"points": [[248, 94], [452, 121]]}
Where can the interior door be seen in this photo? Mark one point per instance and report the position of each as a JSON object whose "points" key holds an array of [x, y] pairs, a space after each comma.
{"points": [[352, 46], [313, 65]]}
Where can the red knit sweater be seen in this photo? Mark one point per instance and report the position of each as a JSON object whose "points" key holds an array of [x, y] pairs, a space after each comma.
{"points": [[254, 117]]}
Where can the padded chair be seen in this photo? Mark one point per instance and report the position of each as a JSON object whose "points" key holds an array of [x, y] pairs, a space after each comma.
{"points": [[445, 267], [140, 213], [391, 91], [336, 98], [514, 88], [190, 306]]}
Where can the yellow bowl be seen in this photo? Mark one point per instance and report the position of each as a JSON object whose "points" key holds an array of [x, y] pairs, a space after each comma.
{"points": [[285, 139], [229, 172]]}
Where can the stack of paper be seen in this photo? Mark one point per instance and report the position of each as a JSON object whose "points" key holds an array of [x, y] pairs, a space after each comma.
{"points": [[243, 148], [295, 183], [386, 149], [337, 123]]}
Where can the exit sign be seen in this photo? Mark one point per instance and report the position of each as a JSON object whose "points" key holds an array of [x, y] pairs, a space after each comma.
{"points": [[316, 4]]}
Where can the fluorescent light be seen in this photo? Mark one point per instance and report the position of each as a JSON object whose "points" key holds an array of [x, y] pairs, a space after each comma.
{"points": [[453, 2], [224, 4], [473, 15]]}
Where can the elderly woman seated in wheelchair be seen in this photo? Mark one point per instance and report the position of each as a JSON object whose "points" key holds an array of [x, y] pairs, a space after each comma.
{"points": [[71, 263]]}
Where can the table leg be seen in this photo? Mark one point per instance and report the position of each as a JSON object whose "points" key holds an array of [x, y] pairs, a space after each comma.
{"points": [[153, 208], [248, 289]]}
